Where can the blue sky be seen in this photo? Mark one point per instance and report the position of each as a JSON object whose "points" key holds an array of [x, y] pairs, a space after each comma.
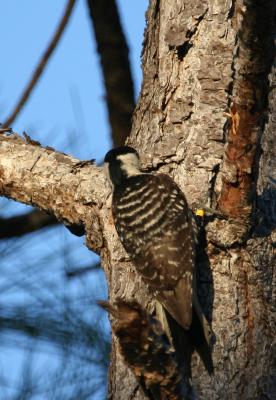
{"points": [[66, 111], [69, 98]]}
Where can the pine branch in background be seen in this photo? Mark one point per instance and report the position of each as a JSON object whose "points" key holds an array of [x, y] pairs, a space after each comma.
{"points": [[113, 51], [38, 322], [42, 64]]}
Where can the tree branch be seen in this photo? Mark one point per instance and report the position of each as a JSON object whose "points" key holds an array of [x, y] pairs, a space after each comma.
{"points": [[26, 223], [113, 52], [53, 182], [42, 64], [77, 272]]}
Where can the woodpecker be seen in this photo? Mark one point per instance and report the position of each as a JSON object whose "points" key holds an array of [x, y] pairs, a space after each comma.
{"points": [[154, 224]]}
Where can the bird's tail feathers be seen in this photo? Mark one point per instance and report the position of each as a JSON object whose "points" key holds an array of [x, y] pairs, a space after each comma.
{"points": [[185, 342], [201, 334]]}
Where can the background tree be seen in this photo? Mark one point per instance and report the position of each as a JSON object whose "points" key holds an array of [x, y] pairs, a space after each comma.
{"points": [[206, 116]]}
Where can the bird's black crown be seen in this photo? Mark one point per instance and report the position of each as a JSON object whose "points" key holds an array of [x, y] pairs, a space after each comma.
{"points": [[114, 153], [122, 162]]}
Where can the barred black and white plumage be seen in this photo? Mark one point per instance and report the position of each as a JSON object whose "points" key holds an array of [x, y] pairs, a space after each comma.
{"points": [[151, 218], [153, 222]]}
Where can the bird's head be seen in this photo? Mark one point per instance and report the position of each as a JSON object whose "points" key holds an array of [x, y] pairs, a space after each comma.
{"points": [[121, 163]]}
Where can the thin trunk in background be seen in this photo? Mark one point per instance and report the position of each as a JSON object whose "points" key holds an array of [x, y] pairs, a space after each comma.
{"points": [[113, 52]]}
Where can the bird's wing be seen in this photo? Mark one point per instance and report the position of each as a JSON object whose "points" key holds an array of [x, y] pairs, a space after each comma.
{"points": [[153, 222]]}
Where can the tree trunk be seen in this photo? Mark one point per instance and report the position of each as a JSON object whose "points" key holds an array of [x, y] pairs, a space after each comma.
{"points": [[206, 116], [201, 117]]}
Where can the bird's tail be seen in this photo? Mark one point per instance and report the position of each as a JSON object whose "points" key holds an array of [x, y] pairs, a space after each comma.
{"points": [[185, 342], [201, 334]]}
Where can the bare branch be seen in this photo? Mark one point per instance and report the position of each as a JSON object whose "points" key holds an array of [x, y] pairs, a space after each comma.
{"points": [[42, 64], [53, 182], [113, 50], [76, 272], [26, 223]]}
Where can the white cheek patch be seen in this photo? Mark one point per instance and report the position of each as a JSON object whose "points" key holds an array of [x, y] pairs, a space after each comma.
{"points": [[107, 175], [130, 164]]}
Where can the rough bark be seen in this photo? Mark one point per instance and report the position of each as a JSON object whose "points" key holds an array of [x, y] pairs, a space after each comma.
{"points": [[147, 351], [53, 182], [191, 121], [202, 117]]}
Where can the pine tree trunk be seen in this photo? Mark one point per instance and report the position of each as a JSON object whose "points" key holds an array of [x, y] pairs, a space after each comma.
{"points": [[203, 118]]}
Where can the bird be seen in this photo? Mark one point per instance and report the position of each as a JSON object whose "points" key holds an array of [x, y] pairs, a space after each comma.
{"points": [[154, 224]]}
